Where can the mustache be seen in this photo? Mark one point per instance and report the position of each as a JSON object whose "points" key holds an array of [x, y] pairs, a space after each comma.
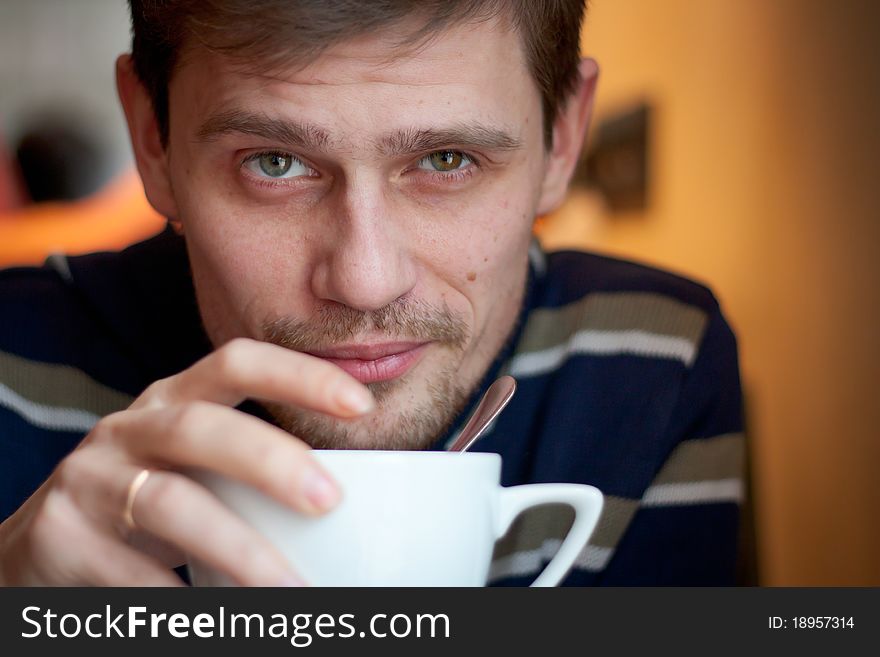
{"points": [[334, 324]]}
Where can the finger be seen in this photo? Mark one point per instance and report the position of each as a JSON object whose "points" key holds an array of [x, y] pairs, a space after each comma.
{"points": [[116, 564], [246, 368], [164, 552], [97, 479], [179, 511], [67, 548], [240, 446]]}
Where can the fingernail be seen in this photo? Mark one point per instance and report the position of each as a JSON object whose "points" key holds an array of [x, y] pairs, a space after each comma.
{"points": [[320, 491], [357, 400], [291, 580]]}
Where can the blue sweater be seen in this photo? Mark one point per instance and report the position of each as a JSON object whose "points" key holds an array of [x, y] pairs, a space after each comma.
{"points": [[628, 381]]}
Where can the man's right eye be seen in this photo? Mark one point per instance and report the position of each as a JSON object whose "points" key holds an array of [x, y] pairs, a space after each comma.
{"points": [[276, 165]]}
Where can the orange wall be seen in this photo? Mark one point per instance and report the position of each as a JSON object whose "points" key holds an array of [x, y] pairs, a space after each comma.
{"points": [[112, 218], [765, 160]]}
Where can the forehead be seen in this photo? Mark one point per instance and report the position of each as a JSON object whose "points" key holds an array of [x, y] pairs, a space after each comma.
{"points": [[474, 69]]}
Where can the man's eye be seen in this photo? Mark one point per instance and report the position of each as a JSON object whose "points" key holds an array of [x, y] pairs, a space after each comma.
{"points": [[444, 161], [275, 165]]}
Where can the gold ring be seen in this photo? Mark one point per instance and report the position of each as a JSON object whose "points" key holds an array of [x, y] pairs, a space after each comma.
{"points": [[133, 489]]}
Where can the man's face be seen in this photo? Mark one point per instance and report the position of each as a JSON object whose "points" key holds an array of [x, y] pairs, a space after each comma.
{"points": [[373, 208]]}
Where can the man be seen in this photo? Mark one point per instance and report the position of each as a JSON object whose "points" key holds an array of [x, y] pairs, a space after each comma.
{"points": [[350, 190]]}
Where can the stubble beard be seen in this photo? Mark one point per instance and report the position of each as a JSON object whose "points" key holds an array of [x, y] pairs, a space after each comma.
{"points": [[417, 427], [397, 423]]}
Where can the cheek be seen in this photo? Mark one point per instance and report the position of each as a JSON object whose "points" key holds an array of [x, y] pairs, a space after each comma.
{"points": [[243, 268], [484, 260], [256, 277], [238, 242], [498, 240]]}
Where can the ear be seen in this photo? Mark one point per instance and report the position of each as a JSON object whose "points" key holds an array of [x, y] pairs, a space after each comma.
{"points": [[569, 130], [151, 157]]}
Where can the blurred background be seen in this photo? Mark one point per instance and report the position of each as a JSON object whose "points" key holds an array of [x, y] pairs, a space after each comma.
{"points": [[735, 141], [66, 177]]}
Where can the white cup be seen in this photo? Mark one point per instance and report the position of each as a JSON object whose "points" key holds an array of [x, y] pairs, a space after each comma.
{"points": [[405, 519]]}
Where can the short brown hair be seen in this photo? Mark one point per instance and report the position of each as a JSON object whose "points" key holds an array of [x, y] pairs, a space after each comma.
{"points": [[249, 29]]}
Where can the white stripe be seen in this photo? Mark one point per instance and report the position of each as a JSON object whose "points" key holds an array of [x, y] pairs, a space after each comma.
{"points": [[528, 562], [538, 258], [696, 492], [604, 343], [58, 262], [593, 558], [47, 417], [451, 441]]}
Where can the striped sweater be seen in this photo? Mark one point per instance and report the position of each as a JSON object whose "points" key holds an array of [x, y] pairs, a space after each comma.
{"points": [[628, 381]]}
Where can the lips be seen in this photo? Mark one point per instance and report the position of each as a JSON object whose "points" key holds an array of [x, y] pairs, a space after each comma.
{"points": [[371, 363]]}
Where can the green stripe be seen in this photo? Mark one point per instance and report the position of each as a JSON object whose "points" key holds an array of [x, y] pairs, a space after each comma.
{"points": [[619, 311], [617, 513], [59, 386], [535, 526], [706, 459]]}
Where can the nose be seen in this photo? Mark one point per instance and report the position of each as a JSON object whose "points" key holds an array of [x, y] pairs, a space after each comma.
{"points": [[366, 262]]}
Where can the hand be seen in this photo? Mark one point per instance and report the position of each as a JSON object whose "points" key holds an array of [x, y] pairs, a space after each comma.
{"points": [[72, 530]]}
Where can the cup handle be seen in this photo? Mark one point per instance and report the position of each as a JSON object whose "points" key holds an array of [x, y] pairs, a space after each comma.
{"points": [[587, 503]]}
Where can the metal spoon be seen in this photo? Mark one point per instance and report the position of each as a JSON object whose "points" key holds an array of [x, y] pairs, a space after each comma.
{"points": [[495, 399]]}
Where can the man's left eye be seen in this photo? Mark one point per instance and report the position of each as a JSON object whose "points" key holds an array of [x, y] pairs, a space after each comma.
{"points": [[444, 161], [275, 165]]}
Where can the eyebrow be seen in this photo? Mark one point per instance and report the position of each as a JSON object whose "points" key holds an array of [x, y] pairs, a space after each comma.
{"points": [[313, 138], [292, 133], [465, 135]]}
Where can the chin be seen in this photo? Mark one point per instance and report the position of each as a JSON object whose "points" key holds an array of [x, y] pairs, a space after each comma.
{"points": [[404, 419]]}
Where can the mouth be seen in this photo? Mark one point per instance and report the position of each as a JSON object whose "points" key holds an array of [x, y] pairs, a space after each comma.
{"points": [[371, 363]]}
